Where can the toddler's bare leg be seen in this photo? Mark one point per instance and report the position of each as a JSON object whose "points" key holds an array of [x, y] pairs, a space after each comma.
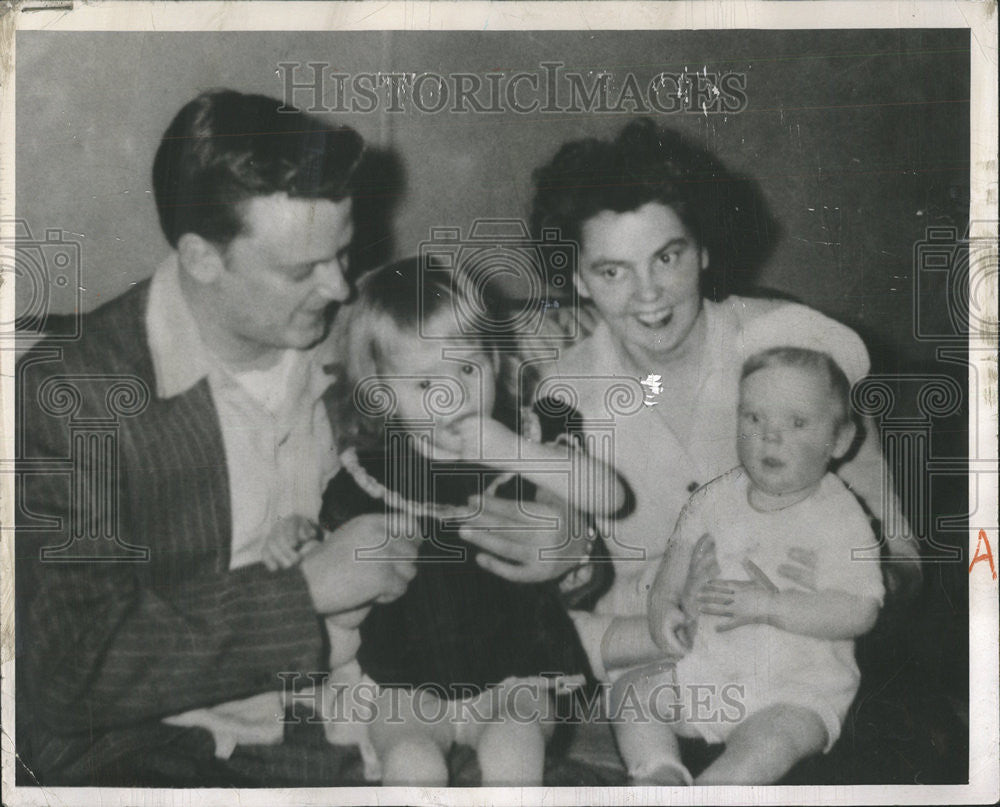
{"points": [[766, 745], [412, 752], [512, 753], [639, 701]]}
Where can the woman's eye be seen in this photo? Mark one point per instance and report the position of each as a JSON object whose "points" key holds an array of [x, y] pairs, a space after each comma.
{"points": [[425, 384], [468, 369]]}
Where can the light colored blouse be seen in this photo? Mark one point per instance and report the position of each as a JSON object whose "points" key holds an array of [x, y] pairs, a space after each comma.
{"points": [[663, 468]]}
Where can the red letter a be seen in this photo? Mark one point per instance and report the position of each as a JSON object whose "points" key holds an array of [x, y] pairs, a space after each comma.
{"points": [[988, 555]]}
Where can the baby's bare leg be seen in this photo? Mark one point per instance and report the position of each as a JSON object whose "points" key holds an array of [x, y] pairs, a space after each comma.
{"points": [[640, 708], [766, 745]]}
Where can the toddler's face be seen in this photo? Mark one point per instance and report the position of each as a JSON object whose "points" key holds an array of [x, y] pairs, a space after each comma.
{"points": [[443, 379], [788, 428]]}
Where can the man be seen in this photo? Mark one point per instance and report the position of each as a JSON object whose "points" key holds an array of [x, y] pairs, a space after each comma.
{"points": [[166, 608]]}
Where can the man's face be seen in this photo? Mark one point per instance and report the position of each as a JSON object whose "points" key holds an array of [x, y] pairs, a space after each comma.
{"points": [[789, 428], [641, 269], [283, 272]]}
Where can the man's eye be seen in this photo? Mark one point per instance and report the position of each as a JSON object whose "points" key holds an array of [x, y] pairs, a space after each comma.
{"points": [[610, 272], [668, 257], [425, 384]]}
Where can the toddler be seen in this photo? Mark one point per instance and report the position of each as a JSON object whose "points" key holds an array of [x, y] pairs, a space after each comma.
{"points": [[427, 425], [769, 671]]}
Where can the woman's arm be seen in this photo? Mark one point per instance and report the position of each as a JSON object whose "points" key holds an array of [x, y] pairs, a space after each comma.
{"points": [[597, 489]]}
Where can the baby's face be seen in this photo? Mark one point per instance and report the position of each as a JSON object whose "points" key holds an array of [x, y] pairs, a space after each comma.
{"points": [[440, 380], [788, 428]]}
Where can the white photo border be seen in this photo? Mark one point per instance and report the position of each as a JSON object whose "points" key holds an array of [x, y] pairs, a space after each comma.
{"points": [[979, 17]]}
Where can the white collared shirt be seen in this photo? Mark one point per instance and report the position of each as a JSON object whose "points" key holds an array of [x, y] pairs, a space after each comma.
{"points": [[275, 428]]}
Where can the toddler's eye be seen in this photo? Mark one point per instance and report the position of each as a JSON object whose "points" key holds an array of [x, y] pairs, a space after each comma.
{"points": [[425, 384]]}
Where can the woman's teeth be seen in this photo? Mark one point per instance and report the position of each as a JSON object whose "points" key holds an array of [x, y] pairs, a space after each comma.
{"points": [[655, 319]]}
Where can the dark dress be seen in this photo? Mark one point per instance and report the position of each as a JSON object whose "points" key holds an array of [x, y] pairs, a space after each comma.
{"points": [[457, 626]]}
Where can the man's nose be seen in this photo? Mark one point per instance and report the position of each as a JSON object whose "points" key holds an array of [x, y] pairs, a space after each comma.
{"points": [[333, 280]]}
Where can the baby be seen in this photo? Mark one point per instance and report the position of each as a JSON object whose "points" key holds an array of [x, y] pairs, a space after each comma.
{"points": [[768, 671]]}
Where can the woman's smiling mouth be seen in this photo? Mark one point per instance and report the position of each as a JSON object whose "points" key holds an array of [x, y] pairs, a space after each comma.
{"points": [[656, 319]]}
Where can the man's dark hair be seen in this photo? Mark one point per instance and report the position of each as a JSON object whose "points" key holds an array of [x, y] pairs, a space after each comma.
{"points": [[225, 147]]}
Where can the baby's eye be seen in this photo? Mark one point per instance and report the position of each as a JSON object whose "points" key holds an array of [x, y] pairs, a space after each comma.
{"points": [[425, 384]]}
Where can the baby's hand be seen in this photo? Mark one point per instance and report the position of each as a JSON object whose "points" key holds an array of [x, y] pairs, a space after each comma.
{"points": [[704, 567], [290, 538], [670, 628], [743, 602]]}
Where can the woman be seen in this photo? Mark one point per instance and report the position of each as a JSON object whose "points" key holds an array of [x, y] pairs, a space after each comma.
{"points": [[639, 208]]}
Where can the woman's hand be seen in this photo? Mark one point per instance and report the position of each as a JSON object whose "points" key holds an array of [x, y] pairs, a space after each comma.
{"points": [[486, 440], [524, 551]]}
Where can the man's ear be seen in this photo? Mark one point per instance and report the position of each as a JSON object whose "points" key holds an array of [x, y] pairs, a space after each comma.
{"points": [[581, 284], [844, 439], [200, 258]]}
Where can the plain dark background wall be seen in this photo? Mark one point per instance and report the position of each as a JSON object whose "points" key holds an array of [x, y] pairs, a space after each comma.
{"points": [[857, 139]]}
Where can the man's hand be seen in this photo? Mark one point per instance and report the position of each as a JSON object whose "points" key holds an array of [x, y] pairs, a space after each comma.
{"points": [[339, 580], [520, 550]]}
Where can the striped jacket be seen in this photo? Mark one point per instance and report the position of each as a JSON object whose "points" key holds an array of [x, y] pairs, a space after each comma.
{"points": [[126, 608]]}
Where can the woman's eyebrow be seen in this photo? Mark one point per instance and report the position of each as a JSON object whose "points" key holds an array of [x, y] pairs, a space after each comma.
{"points": [[680, 241]]}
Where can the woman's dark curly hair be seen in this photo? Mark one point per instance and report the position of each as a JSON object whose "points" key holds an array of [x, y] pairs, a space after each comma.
{"points": [[646, 164]]}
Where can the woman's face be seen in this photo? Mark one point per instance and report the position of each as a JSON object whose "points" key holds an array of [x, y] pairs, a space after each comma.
{"points": [[641, 270]]}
